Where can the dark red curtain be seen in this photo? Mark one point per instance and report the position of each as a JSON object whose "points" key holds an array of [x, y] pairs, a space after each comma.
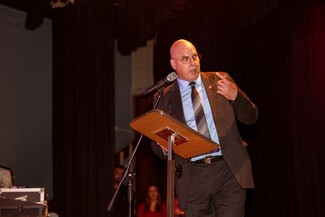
{"points": [[307, 98], [138, 21], [83, 131]]}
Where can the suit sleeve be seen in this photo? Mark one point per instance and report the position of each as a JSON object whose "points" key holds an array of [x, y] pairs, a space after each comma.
{"points": [[245, 110], [154, 146], [158, 150]]}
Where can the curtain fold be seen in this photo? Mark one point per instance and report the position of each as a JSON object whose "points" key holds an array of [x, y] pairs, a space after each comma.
{"points": [[83, 131], [138, 21], [308, 105]]}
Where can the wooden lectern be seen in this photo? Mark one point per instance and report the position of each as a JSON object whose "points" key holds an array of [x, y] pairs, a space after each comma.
{"points": [[175, 137]]}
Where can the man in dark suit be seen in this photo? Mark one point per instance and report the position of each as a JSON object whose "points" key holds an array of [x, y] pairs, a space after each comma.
{"points": [[213, 184], [121, 206]]}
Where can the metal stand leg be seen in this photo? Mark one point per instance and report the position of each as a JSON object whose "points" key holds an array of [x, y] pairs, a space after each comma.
{"points": [[170, 178]]}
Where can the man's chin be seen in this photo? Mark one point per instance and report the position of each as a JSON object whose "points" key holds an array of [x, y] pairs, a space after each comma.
{"points": [[194, 74]]}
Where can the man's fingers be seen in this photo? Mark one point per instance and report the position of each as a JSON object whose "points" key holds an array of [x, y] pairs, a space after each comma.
{"points": [[222, 77]]}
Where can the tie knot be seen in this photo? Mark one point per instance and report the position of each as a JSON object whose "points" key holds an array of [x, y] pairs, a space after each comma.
{"points": [[192, 84]]}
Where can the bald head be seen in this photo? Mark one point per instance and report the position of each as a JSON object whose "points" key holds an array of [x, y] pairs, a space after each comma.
{"points": [[178, 46]]}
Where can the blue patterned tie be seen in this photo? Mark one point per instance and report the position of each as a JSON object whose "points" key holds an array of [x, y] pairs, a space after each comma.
{"points": [[201, 123]]}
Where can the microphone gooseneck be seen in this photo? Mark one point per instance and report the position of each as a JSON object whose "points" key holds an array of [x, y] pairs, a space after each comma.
{"points": [[162, 83]]}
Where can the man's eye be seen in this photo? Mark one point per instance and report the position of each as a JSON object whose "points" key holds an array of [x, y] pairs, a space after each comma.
{"points": [[185, 59]]}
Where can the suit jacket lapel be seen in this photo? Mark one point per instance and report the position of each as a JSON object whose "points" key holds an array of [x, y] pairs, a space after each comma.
{"points": [[176, 103], [210, 83]]}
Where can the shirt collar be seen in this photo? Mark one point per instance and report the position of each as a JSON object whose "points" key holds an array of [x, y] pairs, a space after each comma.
{"points": [[184, 85]]}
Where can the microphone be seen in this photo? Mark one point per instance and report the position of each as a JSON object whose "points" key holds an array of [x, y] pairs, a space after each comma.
{"points": [[162, 83]]}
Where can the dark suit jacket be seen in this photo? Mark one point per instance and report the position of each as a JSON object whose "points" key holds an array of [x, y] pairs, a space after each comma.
{"points": [[225, 113]]}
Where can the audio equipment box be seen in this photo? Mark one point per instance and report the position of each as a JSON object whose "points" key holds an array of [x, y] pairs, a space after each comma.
{"points": [[23, 202], [33, 195]]}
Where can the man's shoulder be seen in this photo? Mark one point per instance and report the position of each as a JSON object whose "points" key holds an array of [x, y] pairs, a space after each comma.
{"points": [[213, 73], [171, 88], [212, 76]]}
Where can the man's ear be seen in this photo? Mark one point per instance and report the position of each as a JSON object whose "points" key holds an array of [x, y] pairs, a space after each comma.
{"points": [[172, 63]]}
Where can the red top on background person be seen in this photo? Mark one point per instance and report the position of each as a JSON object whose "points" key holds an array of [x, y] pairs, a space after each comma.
{"points": [[152, 207]]}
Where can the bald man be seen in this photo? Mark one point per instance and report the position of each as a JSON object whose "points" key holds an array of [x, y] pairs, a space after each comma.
{"points": [[213, 184]]}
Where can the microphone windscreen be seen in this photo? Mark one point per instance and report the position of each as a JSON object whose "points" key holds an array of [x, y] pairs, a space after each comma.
{"points": [[172, 76]]}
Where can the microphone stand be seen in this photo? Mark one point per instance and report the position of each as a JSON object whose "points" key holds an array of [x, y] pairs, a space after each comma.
{"points": [[126, 170], [130, 196]]}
